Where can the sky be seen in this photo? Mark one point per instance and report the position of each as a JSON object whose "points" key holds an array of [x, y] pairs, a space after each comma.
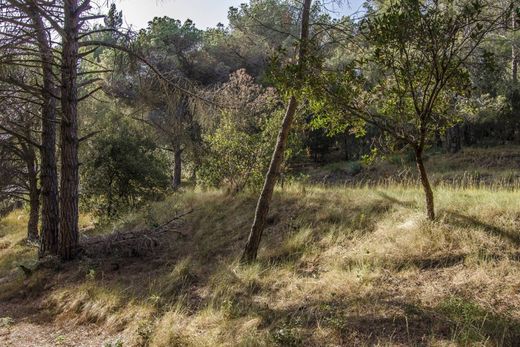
{"points": [[205, 13]]}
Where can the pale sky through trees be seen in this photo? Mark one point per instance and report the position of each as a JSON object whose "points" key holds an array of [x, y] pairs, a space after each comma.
{"points": [[205, 13]]}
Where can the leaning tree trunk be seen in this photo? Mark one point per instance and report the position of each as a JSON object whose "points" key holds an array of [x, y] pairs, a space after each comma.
{"points": [[69, 185], [430, 209], [262, 208], [48, 169], [177, 169]]}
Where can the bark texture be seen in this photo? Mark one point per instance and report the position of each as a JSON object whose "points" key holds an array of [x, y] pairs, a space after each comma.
{"points": [[34, 193], [262, 208], [48, 169], [69, 184]]}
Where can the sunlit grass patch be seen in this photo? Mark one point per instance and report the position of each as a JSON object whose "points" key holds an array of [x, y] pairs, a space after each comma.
{"points": [[13, 250]]}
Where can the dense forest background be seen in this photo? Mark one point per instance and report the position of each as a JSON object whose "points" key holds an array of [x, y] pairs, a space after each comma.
{"points": [[100, 123]]}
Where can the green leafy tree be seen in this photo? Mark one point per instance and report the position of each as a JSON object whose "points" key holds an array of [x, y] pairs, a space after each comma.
{"points": [[410, 71], [122, 169]]}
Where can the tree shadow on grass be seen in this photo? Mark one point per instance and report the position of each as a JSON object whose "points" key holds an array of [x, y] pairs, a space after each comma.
{"points": [[459, 219], [380, 318], [433, 262], [408, 204]]}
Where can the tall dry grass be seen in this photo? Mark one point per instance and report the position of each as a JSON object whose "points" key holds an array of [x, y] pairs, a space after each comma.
{"points": [[338, 266]]}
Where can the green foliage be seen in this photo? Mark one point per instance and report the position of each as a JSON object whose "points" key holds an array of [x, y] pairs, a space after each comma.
{"points": [[238, 158], [114, 18], [240, 145], [175, 48], [122, 169], [409, 72]]}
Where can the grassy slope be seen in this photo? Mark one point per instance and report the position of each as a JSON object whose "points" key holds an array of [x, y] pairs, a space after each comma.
{"points": [[491, 167], [338, 266]]}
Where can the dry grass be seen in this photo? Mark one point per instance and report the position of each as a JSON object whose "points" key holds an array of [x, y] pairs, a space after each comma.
{"points": [[13, 249], [338, 266], [492, 168]]}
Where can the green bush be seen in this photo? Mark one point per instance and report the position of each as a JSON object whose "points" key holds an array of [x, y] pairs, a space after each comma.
{"points": [[123, 169], [238, 158]]}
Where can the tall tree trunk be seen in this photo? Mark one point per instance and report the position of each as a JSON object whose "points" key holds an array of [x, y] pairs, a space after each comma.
{"points": [[69, 185], [262, 208], [430, 209], [177, 169], [48, 168], [34, 194]]}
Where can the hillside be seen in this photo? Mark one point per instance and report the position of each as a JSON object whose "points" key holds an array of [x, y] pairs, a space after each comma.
{"points": [[495, 166], [338, 266]]}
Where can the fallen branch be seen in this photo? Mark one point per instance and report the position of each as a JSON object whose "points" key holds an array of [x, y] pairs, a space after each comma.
{"points": [[173, 219], [132, 242]]}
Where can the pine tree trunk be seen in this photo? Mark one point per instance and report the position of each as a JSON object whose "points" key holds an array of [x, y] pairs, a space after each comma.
{"points": [[69, 185], [34, 195], [49, 182], [430, 209], [48, 168], [262, 208], [177, 169]]}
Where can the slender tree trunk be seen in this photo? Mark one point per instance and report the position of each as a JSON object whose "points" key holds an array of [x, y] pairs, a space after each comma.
{"points": [[262, 208], [177, 169], [34, 214], [430, 209], [34, 195], [69, 185], [48, 168]]}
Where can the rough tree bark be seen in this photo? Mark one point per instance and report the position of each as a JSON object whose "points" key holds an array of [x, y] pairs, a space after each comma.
{"points": [[430, 209], [69, 183], [262, 208], [48, 169]]}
